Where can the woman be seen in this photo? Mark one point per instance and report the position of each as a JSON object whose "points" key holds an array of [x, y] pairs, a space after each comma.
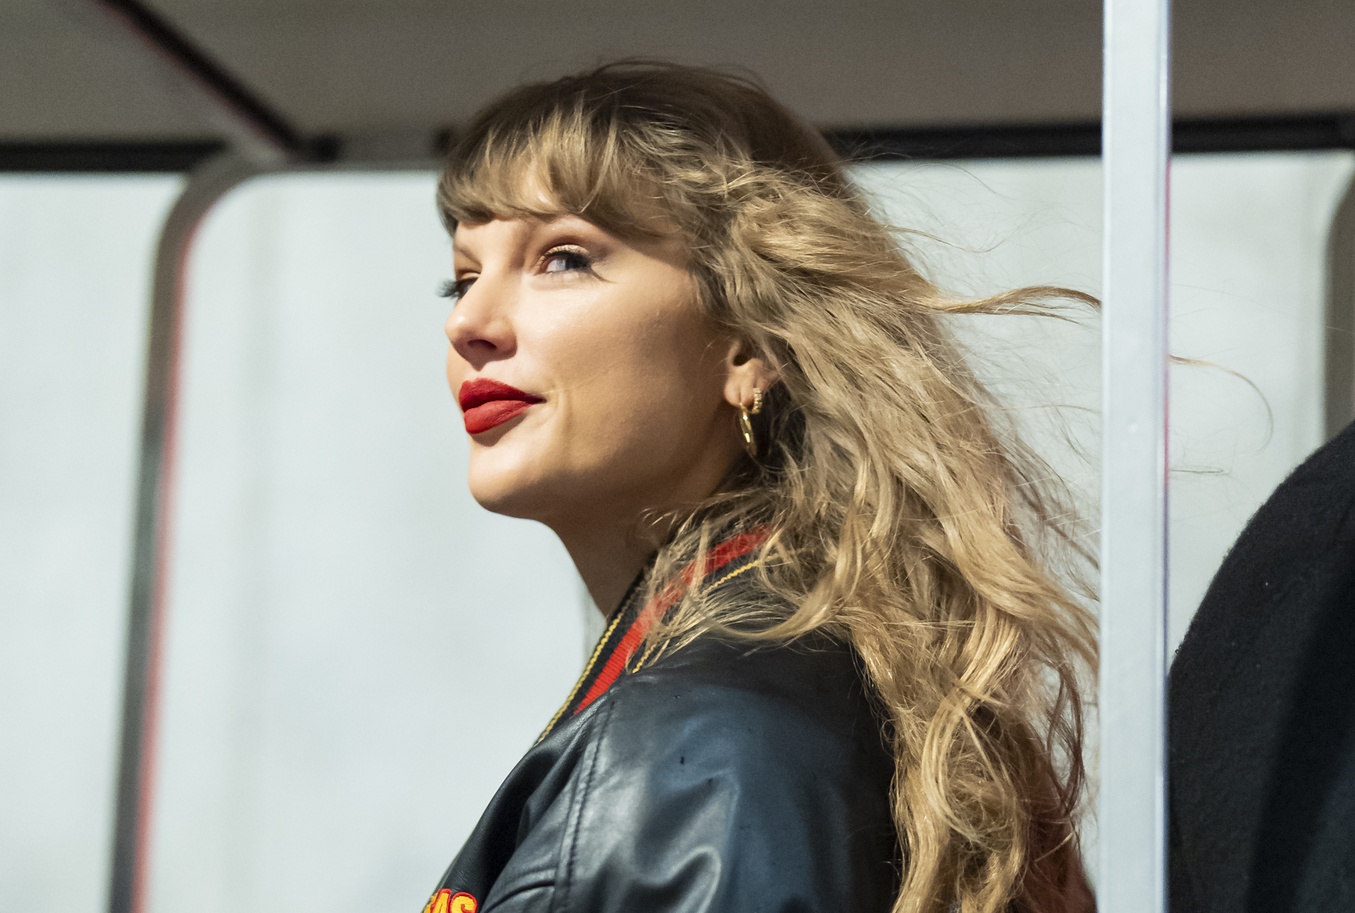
{"points": [[839, 670]]}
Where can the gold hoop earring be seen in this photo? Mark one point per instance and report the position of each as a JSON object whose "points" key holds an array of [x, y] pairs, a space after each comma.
{"points": [[746, 423]]}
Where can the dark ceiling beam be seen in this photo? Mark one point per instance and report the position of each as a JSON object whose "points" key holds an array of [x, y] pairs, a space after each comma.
{"points": [[1190, 135], [248, 122]]}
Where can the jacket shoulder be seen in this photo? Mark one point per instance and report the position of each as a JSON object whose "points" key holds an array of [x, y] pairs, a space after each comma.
{"points": [[735, 695], [728, 777]]}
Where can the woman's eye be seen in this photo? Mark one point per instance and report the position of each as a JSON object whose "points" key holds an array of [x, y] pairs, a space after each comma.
{"points": [[454, 289], [565, 260]]}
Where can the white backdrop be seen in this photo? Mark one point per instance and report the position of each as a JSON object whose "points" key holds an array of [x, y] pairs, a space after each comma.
{"points": [[356, 652], [1247, 274], [75, 266]]}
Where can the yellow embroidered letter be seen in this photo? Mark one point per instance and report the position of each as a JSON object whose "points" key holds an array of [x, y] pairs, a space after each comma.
{"points": [[445, 901]]}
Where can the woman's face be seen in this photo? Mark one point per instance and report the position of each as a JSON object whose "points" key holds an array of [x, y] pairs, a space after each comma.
{"points": [[592, 386]]}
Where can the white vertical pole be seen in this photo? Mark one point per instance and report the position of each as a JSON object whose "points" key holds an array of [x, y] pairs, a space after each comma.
{"points": [[1136, 138]]}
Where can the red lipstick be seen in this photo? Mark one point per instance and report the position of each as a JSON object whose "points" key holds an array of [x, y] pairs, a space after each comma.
{"points": [[489, 403]]}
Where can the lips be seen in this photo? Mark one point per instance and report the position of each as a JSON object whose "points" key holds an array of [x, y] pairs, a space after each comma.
{"points": [[489, 403]]}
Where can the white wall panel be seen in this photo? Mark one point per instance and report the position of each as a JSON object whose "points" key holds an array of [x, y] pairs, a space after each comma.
{"points": [[75, 268], [357, 653]]}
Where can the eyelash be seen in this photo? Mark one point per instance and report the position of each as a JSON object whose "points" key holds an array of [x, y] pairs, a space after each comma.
{"points": [[455, 289]]}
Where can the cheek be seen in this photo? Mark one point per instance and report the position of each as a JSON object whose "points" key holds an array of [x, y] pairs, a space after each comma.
{"points": [[642, 396]]}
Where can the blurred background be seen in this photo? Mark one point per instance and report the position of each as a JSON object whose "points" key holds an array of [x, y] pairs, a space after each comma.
{"points": [[352, 654]]}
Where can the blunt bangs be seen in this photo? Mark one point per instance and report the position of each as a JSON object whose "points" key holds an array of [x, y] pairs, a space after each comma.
{"points": [[533, 157]]}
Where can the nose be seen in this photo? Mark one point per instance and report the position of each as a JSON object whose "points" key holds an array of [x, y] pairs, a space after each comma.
{"points": [[480, 327]]}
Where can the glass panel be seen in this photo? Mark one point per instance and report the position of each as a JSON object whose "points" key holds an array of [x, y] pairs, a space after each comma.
{"points": [[1249, 236], [357, 653], [1248, 260], [76, 255]]}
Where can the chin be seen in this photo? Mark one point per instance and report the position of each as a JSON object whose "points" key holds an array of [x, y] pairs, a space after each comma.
{"points": [[506, 506], [499, 498], [509, 490]]}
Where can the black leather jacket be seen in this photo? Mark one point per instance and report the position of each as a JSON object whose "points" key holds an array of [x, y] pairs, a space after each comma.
{"points": [[716, 779]]}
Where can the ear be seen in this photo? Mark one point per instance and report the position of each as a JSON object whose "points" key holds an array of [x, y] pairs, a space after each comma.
{"points": [[746, 373]]}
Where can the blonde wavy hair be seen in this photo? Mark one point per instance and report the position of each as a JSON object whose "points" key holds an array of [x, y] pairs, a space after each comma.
{"points": [[903, 514]]}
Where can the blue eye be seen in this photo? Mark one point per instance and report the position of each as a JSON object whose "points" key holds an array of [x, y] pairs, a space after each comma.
{"points": [[566, 259], [454, 289]]}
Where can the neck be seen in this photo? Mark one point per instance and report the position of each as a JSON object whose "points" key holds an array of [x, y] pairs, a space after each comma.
{"points": [[607, 560], [611, 547]]}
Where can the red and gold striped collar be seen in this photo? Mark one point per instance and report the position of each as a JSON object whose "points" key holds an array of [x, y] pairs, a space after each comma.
{"points": [[631, 621]]}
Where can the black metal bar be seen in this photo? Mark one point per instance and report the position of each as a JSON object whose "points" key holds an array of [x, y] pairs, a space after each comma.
{"points": [[107, 157], [231, 94], [1265, 134], [1190, 135], [976, 142]]}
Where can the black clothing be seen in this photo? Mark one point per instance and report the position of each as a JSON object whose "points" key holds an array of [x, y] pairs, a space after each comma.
{"points": [[716, 779], [1262, 709]]}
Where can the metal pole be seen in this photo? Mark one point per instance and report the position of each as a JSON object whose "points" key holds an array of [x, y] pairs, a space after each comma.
{"points": [[1135, 145], [146, 612]]}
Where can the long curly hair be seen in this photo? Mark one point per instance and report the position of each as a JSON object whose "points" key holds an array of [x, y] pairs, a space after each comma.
{"points": [[903, 515]]}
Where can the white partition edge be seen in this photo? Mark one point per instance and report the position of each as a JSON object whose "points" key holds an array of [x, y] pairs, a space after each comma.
{"points": [[1136, 138]]}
